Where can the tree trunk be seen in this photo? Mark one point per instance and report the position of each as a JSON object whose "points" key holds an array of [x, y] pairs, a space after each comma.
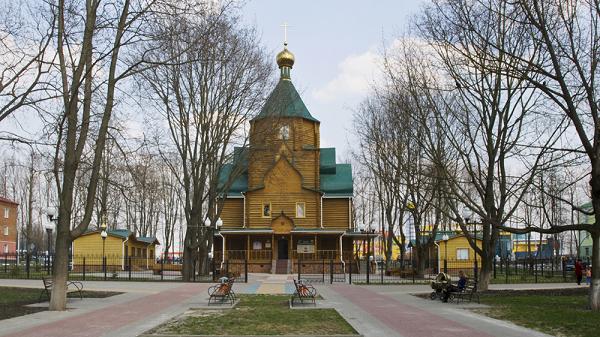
{"points": [[595, 286], [58, 297], [421, 259], [485, 273], [189, 255]]}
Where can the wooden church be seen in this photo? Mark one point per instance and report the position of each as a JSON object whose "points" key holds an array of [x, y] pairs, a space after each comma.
{"points": [[284, 198]]}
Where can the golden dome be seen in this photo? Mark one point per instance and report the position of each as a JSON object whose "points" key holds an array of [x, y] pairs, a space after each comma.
{"points": [[285, 58]]}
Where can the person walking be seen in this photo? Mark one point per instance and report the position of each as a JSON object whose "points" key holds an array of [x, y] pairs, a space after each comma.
{"points": [[578, 271], [588, 275]]}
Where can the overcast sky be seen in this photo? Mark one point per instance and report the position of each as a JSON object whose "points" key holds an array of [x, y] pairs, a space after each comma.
{"points": [[336, 44]]}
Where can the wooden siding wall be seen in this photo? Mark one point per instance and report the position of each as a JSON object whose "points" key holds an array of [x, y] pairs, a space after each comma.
{"points": [[300, 149], [233, 213], [336, 212], [283, 189]]}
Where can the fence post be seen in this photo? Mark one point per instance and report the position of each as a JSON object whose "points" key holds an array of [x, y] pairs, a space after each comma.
{"points": [[382, 272], [129, 267], [245, 270], [506, 269], [28, 263], [495, 268], [84, 268], [330, 271], [542, 268], [214, 269], [535, 272], [104, 266], [323, 269], [351, 265], [368, 269], [299, 261], [162, 269], [6, 262], [475, 270], [564, 272], [445, 266], [227, 268]]}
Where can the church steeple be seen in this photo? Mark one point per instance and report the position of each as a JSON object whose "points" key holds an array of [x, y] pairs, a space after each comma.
{"points": [[285, 58], [285, 61]]}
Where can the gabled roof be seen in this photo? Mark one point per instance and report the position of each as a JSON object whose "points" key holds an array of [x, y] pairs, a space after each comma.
{"points": [[123, 234], [8, 201], [285, 101]]}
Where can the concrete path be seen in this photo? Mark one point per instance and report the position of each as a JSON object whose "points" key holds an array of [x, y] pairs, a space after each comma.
{"points": [[393, 311], [387, 310]]}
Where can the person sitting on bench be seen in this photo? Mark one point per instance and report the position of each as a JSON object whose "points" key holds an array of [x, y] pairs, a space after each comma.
{"points": [[460, 285]]}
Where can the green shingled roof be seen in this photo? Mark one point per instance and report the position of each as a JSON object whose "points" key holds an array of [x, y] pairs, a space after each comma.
{"points": [[339, 183], [285, 101], [336, 179]]}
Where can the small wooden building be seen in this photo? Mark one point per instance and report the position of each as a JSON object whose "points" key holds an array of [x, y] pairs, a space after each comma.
{"points": [[284, 198], [458, 253], [119, 248]]}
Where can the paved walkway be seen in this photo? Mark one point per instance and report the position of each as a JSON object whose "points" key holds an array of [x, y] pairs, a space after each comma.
{"points": [[372, 310]]}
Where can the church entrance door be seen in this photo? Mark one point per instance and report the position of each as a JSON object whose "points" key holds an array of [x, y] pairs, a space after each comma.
{"points": [[282, 249]]}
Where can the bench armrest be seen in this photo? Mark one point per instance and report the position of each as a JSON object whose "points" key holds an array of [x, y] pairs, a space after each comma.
{"points": [[76, 284]]}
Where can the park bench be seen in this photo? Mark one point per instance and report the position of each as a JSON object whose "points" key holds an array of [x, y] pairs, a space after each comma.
{"points": [[304, 292], [157, 268], [72, 286], [222, 292], [468, 293]]}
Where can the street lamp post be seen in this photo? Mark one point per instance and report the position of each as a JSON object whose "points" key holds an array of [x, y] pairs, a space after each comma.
{"points": [[103, 234], [211, 230], [445, 238], [52, 217], [468, 215]]}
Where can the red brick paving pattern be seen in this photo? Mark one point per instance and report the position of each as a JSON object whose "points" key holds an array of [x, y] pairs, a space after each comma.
{"points": [[405, 319], [102, 321]]}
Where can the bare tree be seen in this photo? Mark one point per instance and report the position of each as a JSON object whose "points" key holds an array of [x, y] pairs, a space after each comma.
{"points": [[97, 50], [206, 98], [488, 118], [25, 59]]}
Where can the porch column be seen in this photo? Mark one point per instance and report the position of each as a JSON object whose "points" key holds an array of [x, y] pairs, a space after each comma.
{"points": [[248, 247]]}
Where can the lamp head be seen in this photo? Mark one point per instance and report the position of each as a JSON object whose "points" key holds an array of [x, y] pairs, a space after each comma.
{"points": [[219, 222], [466, 213], [103, 234], [207, 222], [445, 237], [49, 226], [103, 226]]}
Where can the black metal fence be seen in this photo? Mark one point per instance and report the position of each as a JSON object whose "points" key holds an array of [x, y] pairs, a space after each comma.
{"points": [[408, 272], [117, 268]]}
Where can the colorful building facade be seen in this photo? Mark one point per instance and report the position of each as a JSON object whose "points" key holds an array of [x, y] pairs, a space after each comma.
{"points": [[121, 249], [8, 226]]}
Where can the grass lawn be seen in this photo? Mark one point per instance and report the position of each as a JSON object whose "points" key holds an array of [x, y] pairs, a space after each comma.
{"points": [[13, 301], [259, 315], [562, 314]]}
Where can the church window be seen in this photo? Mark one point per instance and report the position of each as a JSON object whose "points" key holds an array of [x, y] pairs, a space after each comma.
{"points": [[284, 132], [5, 230], [300, 210], [266, 209], [6, 212]]}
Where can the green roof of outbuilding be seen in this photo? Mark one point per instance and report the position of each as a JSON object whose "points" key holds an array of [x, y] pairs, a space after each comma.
{"points": [[122, 233], [285, 101], [338, 183]]}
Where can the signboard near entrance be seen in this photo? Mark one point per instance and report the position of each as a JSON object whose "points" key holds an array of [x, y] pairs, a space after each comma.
{"points": [[306, 246]]}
